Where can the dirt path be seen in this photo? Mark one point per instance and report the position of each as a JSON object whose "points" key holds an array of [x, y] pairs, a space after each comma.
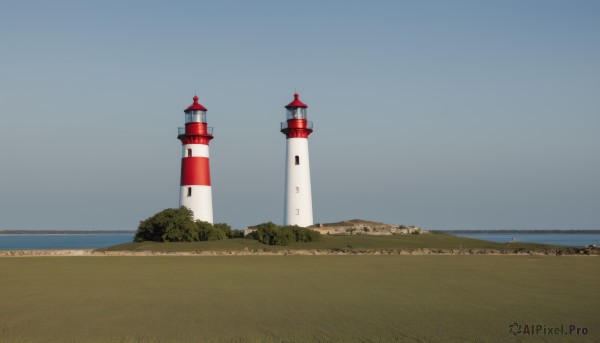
{"points": [[92, 252]]}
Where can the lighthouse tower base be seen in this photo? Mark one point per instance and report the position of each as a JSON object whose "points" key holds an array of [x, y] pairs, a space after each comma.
{"points": [[298, 196], [199, 200]]}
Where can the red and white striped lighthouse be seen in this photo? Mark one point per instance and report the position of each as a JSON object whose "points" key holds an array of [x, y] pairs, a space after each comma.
{"points": [[298, 195], [195, 192]]}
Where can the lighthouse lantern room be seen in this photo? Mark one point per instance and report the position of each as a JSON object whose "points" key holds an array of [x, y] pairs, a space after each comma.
{"points": [[195, 188], [298, 196]]}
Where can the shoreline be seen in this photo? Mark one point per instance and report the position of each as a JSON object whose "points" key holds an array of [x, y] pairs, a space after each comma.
{"points": [[587, 251]]}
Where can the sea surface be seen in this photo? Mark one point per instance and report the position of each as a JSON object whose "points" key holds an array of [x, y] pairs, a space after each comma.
{"points": [[566, 239], [62, 241]]}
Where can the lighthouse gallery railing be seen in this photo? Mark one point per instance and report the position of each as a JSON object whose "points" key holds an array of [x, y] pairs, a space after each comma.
{"points": [[284, 125], [181, 130]]}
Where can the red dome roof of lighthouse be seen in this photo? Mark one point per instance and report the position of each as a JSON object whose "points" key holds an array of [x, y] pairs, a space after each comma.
{"points": [[196, 106], [296, 102]]}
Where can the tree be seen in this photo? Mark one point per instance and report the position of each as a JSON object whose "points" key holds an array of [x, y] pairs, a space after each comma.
{"points": [[178, 225], [210, 232], [171, 224], [185, 231], [302, 234], [228, 231], [272, 234]]}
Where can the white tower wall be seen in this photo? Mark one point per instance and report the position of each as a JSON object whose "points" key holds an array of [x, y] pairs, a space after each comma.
{"points": [[200, 201], [197, 150], [298, 196]]}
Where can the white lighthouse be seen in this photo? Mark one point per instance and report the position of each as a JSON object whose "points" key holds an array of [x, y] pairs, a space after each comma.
{"points": [[195, 191], [298, 195]]}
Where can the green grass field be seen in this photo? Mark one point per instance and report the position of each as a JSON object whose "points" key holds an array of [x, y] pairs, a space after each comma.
{"points": [[433, 241], [368, 298]]}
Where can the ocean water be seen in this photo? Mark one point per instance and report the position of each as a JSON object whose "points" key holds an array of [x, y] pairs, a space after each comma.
{"points": [[62, 241], [566, 239]]}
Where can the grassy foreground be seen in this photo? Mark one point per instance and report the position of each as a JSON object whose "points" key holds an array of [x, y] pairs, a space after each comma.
{"points": [[431, 241], [383, 298]]}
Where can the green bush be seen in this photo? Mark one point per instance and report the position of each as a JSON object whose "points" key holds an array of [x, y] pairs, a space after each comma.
{"points": [[171, 224], [236, 234], [266, 232], [210, 232], [177, 225], [272, 234], [283, 236], [226, 229], [303, 235], [181, 232]]}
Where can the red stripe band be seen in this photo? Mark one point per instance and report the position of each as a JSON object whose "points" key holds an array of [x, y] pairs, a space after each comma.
{"points": [[195, 171]]}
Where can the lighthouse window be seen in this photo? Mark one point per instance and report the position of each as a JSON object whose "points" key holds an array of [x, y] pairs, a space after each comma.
{"points": [[296, 113], [297, 189], [297, 159], [195, 117], [191, 117], [189, 152], [297, 211], [189, 191]]}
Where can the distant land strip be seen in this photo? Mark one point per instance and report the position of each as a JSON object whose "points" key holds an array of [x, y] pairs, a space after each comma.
{"points": [[87, 232], [62, 232], [517, 231]]}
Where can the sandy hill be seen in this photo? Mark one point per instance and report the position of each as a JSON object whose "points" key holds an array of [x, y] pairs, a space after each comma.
{"points": [[350, 222], [363, 227]]}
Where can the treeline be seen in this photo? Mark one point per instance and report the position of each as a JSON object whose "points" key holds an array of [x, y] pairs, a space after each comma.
{"points": [[272, 234], [178, 225]]}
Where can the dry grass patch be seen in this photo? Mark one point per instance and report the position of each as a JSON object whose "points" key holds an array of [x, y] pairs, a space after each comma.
{"points": [[294, 298]]}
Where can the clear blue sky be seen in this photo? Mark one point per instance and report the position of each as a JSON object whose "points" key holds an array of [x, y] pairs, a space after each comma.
{"points": [[441, 114]]}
